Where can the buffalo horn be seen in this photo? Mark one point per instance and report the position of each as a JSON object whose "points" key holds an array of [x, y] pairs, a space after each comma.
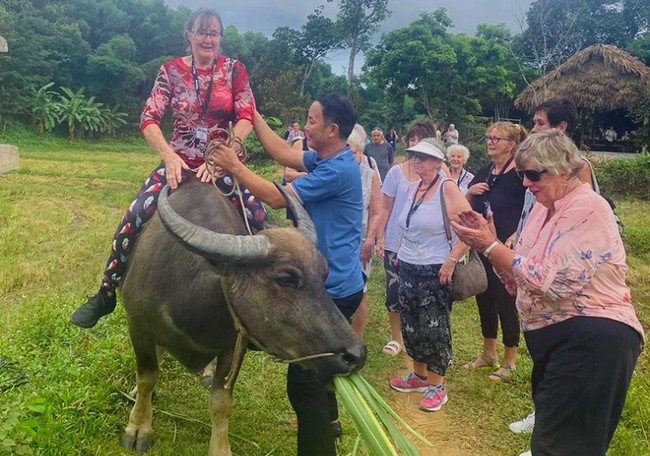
{"points": [[207, 243], [302, 219]]}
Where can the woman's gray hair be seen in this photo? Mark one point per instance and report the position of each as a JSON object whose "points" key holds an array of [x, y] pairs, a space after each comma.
{"points": [[355, 141], [200, 19], [549, 150], [458, 148], [358, 128]]}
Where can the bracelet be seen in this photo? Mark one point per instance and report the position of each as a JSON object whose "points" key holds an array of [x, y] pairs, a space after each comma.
{"points": [[453, 259], [487, 251]]}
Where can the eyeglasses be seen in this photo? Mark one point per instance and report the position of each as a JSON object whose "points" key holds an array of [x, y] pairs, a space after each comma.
{"points": [[531, 174], [414, 156], [495, 139], [202, 34]]}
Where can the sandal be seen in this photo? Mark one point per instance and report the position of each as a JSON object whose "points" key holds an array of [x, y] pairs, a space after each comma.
{"points": [[483, 362], [392, 348], [502, 373]]}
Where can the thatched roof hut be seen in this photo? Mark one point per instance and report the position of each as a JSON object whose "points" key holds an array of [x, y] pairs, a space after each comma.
{"points": [[599, 78]]}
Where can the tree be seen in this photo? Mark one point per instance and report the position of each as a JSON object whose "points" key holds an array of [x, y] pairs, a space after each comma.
{"points": [[490, 69], [112, 71], [317, 38], [554, 30], [84, 114], [357, 21], [418, 60], [45, 108], [249, 47], [640, 48]]}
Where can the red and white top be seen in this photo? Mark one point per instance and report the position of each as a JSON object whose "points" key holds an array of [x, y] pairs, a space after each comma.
{"points": [[231, 99]]}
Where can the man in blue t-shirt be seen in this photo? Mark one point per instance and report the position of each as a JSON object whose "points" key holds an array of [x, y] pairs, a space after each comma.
{"points": [[331, 193]]}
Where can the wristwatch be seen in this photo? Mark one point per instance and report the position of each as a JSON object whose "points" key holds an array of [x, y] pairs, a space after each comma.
{"points": [[487, 251]]}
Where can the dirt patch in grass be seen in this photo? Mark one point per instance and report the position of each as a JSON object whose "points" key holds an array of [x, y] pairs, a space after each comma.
{"points": [[449, 438]]}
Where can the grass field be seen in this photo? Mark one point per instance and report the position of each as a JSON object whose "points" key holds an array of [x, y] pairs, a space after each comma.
{"points": [[60, 387]]}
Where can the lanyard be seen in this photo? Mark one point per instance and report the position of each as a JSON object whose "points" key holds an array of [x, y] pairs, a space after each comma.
{"points": [[491, 180], [203, 103], [416, 204], [461, 176], [494, 181]]}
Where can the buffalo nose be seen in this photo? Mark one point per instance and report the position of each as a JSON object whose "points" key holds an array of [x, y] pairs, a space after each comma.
{"points": [[355, 356]]}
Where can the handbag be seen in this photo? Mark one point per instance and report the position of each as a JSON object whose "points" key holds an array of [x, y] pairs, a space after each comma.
{"points": [[470, 278]]}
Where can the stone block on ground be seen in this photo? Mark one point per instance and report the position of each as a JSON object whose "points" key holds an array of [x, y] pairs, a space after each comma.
{"points": [[8, 158]]}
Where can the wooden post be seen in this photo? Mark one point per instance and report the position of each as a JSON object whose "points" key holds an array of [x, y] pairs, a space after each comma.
{"points": [[3, 45]]}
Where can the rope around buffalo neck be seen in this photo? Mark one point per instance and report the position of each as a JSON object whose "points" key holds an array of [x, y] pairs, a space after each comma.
{"points": [[242, 342]]}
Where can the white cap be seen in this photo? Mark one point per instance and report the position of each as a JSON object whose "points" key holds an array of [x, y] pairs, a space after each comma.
{"points": [[424, 147]]}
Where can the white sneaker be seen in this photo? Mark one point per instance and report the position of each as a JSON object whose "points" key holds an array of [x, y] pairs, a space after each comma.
{"points": [[524, 426], [526, 453]]}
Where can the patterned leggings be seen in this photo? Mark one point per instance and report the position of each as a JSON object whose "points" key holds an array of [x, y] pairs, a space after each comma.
{"points": [[144, 207], [424, 308]]}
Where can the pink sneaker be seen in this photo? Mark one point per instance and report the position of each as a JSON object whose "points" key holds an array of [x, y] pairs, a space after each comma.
{"points": [[408, 383], [434, 398]]}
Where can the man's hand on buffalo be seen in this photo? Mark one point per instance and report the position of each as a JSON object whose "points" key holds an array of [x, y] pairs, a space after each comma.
{"points": [[222, 157]]}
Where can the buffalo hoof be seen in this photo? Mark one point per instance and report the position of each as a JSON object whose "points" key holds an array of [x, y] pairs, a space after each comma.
{"points": [[206, 381], [138, 445]]}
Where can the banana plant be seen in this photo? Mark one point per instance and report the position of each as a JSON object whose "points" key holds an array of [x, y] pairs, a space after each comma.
{"points": [[45, 108]]}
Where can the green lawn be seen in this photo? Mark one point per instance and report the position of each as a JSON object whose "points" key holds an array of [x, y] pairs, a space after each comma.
{"points": [[61, 386]]}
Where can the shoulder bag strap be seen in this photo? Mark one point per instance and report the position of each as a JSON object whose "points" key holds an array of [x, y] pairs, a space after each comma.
{"points": [[594, 182], [445, 217]]}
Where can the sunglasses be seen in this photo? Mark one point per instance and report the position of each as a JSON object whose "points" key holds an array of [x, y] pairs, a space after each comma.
{"points": [[531, 174]]}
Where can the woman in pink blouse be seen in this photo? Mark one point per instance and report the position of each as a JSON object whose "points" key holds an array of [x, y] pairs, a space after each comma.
{"points": [[568, 272], [205, 91]]}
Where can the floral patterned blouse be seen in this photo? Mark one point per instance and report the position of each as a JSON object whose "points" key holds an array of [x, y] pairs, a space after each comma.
{"points": [[231, 99], [573, 265]]}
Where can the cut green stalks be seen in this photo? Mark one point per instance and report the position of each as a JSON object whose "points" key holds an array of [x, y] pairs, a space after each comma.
{"points": [[364, 405]]}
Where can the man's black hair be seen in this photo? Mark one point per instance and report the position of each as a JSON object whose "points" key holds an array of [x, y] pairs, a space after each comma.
{"points": [[338, 109], [559, 109]]}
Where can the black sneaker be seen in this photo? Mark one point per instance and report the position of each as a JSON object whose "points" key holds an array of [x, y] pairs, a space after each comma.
{"points": [[97, 306]]}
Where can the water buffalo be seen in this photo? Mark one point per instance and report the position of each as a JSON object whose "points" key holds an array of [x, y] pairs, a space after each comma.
{"points": [[196, 280]]}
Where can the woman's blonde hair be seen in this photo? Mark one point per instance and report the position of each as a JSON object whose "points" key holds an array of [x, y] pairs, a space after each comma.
{"points": [[549, 150], [512, 131]]}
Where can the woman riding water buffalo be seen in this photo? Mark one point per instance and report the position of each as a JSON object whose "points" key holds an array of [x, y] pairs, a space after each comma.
{"points": [[205, 91]]}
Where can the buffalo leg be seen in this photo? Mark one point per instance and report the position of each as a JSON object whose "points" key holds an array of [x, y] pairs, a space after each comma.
{"points": [[138, 434], [160, 352], [221, 404]]}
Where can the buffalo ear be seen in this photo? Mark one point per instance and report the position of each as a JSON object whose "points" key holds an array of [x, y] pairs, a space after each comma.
{"points": [[299, 215]]}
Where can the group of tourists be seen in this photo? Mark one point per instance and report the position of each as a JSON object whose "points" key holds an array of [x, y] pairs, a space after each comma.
{"points": [[550, 246]]}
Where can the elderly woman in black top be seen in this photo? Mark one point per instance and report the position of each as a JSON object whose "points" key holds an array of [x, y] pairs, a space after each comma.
{"points": [[498, 193]]}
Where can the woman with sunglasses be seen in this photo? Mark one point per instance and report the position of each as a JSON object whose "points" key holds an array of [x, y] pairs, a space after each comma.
{"points": [[205, 91], [497, 192], [425, 267], [568, 272]]}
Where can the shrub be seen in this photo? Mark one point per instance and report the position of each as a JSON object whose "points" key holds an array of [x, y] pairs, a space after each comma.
{"points": [[478, 157], [624, 177]]}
